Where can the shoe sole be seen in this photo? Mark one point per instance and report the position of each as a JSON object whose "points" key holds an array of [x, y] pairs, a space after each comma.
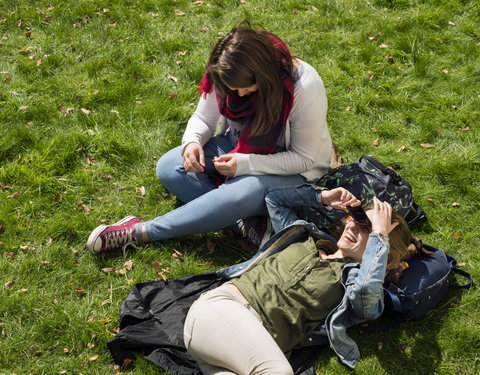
{"points": [[98, 230]]}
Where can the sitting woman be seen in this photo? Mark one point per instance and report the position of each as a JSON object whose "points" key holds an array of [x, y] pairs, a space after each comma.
{"points": [[251, 324]]}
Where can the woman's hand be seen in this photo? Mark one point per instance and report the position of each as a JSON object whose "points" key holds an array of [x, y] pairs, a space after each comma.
{"points": [[226, 164], [193, 158], [382, 217], [339, 198]]}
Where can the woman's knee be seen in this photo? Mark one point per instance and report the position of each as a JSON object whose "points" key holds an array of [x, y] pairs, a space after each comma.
{"points": [[168, 164], [281, 368]]}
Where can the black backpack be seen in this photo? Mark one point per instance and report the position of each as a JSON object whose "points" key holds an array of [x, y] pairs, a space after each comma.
{"points": [[366, 179]]}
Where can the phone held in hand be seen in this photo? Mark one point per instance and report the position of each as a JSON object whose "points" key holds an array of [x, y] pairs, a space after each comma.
{"points": [[360, 217]]}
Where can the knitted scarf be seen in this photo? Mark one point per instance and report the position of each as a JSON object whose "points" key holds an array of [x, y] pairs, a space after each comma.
{"points": [[242, 109]]}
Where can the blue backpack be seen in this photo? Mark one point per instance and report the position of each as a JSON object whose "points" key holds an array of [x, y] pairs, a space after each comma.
{"points": [[422, 286]]}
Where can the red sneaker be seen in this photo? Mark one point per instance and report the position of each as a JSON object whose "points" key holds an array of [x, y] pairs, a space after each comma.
{"points": [[115, 236], [257, 229]]}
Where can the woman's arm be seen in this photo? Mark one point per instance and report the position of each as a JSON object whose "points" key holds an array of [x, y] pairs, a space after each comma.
{"points": [[282, 202], [310, 144], [365, 289], [203, 123]]}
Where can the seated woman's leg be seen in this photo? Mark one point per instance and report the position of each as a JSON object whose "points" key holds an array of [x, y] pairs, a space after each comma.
{"points": [[224, 331], [187, 186], [219, 208], [216, 209]]}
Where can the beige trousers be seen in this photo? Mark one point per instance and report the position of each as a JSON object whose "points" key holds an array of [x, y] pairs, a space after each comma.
{"points": [[226, 336]]}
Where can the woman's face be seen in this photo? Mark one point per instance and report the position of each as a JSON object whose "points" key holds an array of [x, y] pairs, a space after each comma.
{"points": [[245, 90], [354, 239]]}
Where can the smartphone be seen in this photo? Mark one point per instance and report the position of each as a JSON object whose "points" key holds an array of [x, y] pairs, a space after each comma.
{"points": [[359, 216]]}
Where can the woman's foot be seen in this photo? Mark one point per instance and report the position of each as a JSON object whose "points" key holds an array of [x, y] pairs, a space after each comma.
{"points": [[116, 236], [257, 229]]}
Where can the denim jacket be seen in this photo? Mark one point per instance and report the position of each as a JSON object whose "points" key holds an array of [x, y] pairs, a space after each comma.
{"points": [[363, 283]]}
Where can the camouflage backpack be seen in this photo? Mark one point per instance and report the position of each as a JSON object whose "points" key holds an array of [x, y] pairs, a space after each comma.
{"points": [[365, 179]]}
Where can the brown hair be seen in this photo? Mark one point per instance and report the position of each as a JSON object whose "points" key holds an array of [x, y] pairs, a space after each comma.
{"points": [[400, 242], [245, 57]]}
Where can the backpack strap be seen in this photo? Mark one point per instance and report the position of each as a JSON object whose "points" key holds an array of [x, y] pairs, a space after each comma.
{"points": [[396, 304], [453, 262], [466, 275], [419, 216]]}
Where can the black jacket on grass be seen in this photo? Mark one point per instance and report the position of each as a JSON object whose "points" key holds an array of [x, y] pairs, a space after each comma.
{"points": [[152, 320]]}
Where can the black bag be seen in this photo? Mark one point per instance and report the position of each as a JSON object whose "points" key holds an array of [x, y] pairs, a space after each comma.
{"points": [[422, 286], [366, 179]]}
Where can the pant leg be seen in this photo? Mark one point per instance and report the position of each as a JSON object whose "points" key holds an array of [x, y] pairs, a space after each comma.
{"points": [[281, 203], [223, 331], [187, 186], [219, 208]]}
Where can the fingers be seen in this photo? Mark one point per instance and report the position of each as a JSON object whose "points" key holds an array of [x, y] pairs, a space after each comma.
{"points": [[339, 198], [194, 158], [226, 164], [382, 216], [347, 199]]}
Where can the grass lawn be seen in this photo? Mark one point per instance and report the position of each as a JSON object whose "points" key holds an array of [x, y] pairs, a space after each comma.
{"points": [[92, 92]]}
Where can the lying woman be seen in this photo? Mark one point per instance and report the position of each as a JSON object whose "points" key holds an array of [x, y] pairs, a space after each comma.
{"points": [[250, 325]]}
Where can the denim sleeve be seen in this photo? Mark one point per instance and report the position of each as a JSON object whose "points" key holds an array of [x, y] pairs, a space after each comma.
{"points": [[365, 292], [281, 203]]}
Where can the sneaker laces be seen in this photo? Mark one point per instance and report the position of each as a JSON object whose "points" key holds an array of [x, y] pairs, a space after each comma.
{"points": [[120, 239]]}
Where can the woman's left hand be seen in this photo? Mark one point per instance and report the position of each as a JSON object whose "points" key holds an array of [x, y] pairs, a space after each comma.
{"points": [[226, 164], [382, 217]]}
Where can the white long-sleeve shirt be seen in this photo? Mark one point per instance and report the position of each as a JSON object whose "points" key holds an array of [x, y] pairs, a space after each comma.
{"points": [[305, 139]]}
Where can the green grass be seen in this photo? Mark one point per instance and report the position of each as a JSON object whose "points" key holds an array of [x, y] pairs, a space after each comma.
{"points": [[87, 107]]}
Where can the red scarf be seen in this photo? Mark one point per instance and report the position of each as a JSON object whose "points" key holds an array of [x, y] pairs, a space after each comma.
{"points": [[241, 109]]}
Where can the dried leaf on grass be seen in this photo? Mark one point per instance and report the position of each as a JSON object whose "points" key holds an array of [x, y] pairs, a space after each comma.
{"points": [[9, 284], [456, 235], [128, 265], [141, 190], [163, 274], [14, 195], [83, 207], [156, 265], [178, 255], [211, 247], [336, 159], [66, 111], [426, 145]]}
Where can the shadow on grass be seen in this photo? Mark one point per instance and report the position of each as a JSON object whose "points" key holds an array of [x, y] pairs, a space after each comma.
{"points": [[411, 347]]}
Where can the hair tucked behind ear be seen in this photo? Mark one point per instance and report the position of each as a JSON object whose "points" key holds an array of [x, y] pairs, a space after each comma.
{"points": [[400, 242]]}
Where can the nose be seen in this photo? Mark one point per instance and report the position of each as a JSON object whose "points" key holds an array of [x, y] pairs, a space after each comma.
{"points": [[242, 92], [351, 225]]}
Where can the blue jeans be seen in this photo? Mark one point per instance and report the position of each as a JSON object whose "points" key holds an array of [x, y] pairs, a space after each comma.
{"points": [[281, 203], [208, 207]]}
